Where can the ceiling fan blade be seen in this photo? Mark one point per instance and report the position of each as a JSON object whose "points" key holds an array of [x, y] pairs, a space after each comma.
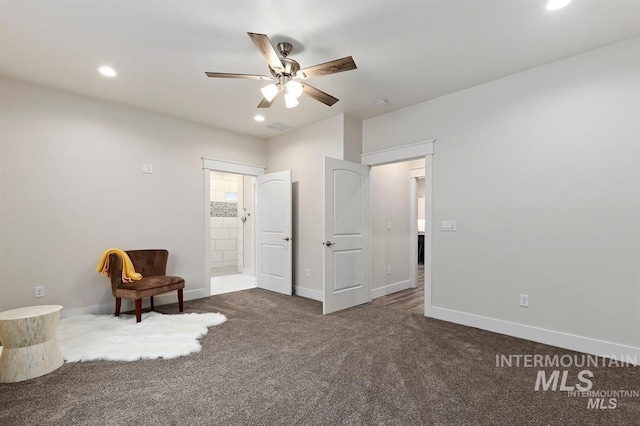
{"points": [[231, 75], [331, 67], [265, 103], [265, 47], [319, 95]]}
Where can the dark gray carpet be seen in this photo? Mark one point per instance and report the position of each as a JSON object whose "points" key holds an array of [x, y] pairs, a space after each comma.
{"points": [[278, 360]]}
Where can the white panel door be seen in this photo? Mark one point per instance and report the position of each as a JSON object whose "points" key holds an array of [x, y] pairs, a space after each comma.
{"points": [[346, 235], [273, 232]]}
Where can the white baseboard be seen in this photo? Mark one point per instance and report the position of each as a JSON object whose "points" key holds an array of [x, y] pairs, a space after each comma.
{"points": [[309, 293], [572, 342], [127, 304], [389, 289]]}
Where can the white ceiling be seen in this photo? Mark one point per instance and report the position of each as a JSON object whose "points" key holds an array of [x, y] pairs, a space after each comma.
{"points": [[407, 51]]}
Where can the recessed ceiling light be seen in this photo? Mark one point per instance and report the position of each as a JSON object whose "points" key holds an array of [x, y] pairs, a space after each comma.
{"points": [[107, 71], [259, 118], [557, 4]]}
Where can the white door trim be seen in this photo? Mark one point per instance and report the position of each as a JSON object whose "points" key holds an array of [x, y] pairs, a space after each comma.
{"points": [[428, 236], [208, 165], [232, 167], [399, 153], [417, 172], [414, 151]]}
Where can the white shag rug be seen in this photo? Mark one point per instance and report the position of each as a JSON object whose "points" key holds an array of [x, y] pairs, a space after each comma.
{"points": [[106, 337]]}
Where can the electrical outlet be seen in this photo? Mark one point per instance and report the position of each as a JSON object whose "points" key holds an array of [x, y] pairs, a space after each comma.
{"points": [[388, 270], [307, 273], [524, 300], [389, 225], [38, 291]]}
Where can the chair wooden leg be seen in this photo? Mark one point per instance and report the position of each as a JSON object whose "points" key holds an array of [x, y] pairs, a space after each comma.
{"points": [[152, 307], [118, 303], [180, 300], [138, 310]]}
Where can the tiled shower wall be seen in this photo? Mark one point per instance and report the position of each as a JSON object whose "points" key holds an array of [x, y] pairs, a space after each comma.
{"points": [[225, 223]]}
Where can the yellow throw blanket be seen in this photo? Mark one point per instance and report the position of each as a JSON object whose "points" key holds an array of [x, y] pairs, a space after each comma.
{"points": [[128, 271]]}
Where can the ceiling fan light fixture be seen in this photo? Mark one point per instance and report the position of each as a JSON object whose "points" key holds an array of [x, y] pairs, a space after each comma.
{"points": [[284, 73], [269, 92], [290, 101], [294, 88], [557, 4]]}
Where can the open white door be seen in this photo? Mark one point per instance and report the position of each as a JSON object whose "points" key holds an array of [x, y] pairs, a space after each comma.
{"points": [[273, 232], [346, 235]]}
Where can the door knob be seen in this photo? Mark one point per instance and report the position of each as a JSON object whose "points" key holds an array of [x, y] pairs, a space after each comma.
{"points": [[328, 243], [287, 238]]}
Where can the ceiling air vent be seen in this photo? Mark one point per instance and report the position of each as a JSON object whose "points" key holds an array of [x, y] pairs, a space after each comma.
{"points": [[281, 127]]}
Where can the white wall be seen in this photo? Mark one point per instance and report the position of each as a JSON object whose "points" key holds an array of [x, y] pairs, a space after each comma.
{"points": [[420, 194], [352, 149], [389, 201], [302, 151], [71, 186], [541, 171]]}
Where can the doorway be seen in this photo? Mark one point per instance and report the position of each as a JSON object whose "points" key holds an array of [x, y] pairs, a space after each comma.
{"points": [[421, 230], [263, 240], [397, 235], [232, 227], [224, 269], [419, 150]]}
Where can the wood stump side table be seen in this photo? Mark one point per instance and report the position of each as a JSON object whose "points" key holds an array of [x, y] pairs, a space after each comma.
{"points": [[29, 345]]}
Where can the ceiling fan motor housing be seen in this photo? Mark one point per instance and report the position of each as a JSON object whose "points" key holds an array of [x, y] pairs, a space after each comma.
{"points": [[291, 67]]}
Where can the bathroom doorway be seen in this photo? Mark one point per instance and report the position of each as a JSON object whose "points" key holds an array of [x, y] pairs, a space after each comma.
{"points": [[232, 239]]}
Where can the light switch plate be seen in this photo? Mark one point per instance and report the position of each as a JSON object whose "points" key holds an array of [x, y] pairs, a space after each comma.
{"points": [[449, 225]]}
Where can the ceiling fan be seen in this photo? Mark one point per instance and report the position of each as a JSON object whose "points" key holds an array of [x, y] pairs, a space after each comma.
{"points": [[286, 73]]}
